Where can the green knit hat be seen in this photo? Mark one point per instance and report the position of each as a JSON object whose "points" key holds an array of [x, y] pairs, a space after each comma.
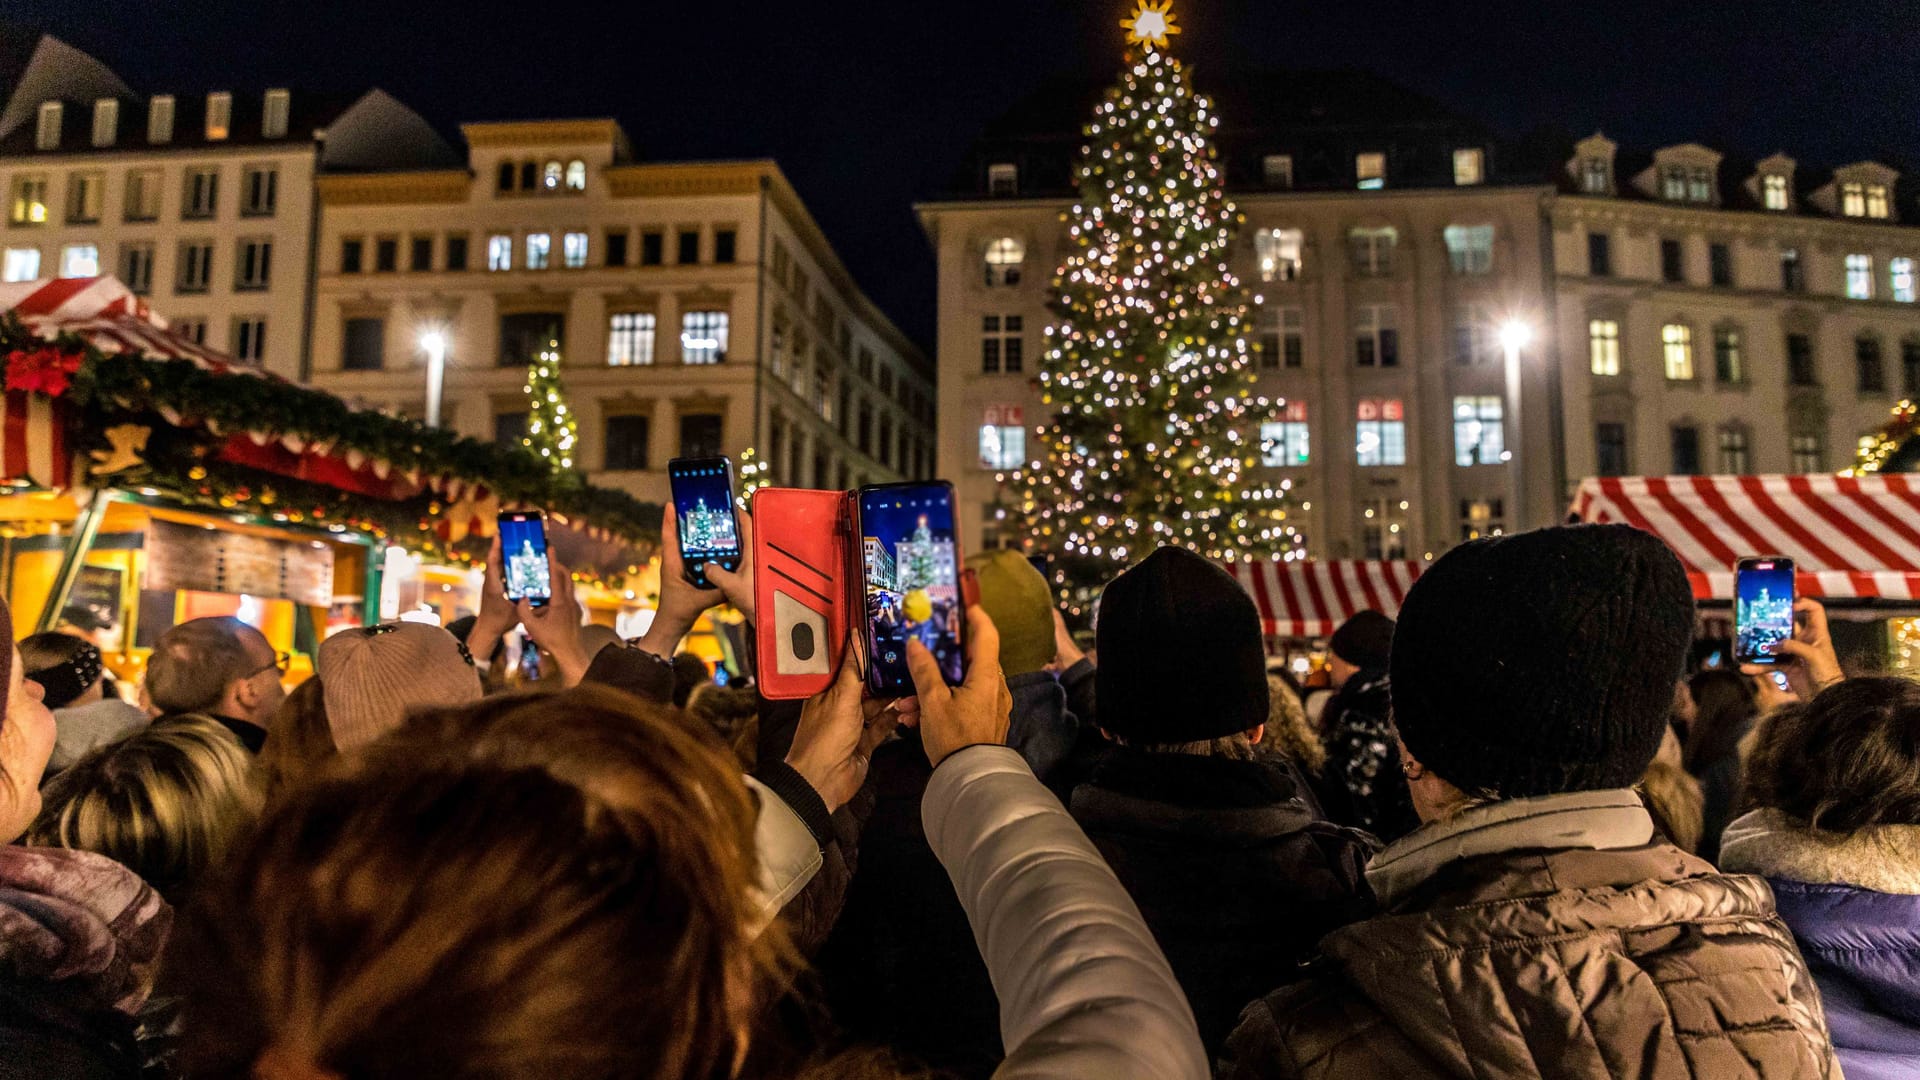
{"points": [[1018, 600]]}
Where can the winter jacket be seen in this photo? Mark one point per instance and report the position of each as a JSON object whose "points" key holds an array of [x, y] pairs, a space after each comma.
{"points": [[1236, 877], [1852, 901], [1084, 991], [1548, 937], [1364, 757], [80, 936], [1041, 727]]}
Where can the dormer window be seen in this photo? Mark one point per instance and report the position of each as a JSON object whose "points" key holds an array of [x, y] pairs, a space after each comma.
{"points": [[1003, 179], [106, 121], [1370, 171], [1773, 192], [576, 175], [1469, 166], [1596, 176], [1699, 185], [273, 114], [160, 119], [1853, 200], [219, 115], [1877, 201], [47, 135], [1673, 183], [1005, 256], [1277, 170]]}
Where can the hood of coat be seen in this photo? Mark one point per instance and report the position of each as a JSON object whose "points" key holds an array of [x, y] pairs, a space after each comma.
{"points": [[1883, 858], [1575, 948], [79, 927], [1216, 799]]}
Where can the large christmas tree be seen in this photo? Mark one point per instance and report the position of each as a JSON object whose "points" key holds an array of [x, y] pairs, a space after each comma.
{"points": [[1148, 368], [550, 428]]}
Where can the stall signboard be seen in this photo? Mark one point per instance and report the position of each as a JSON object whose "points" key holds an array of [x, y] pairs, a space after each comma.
{"points": [[97, 592], [214, 560]]}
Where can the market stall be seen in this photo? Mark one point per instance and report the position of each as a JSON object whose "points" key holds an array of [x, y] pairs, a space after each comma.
{"points": [[145, 479]]}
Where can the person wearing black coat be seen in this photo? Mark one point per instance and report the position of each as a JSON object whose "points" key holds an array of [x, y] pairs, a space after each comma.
{"points": [[1362, 755], [1235, 873]]}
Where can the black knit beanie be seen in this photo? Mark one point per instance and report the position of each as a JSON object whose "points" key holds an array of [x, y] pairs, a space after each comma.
{"points": [[1364, 640], [1542, 662], [1181, 656]]}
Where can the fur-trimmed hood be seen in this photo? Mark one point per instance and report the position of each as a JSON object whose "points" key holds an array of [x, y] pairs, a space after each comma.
{"points": [[1883, 858]]}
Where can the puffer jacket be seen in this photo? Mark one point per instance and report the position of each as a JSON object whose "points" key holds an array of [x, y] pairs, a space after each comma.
{"points": [[1549, 937], [1853, 903]]}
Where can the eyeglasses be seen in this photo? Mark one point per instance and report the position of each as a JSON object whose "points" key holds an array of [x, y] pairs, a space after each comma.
{"points": [[283, 661]]}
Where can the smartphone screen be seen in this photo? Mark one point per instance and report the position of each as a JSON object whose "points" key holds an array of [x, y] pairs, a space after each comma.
{"points": [[523, 547], [703, 512], [910, 575], [1762, 609]]}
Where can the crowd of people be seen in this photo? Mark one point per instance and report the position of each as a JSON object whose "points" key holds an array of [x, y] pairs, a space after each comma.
{"points": [[1520, 837]]}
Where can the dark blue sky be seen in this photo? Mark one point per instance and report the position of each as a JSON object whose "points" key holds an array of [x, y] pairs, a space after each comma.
{"points": [[870, 105]]}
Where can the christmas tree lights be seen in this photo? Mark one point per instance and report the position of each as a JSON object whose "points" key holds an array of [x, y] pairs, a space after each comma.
{"points": [[1148, 368], [551, 430]]}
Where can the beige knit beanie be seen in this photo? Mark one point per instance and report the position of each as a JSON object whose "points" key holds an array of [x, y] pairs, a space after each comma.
{"points": [[371, 678]]}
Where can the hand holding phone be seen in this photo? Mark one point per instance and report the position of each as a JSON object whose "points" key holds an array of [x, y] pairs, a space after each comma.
{"points": [[909, 556], [1807, 659], [1762, 609], [978, 711], [703, 502], [523, 544]]}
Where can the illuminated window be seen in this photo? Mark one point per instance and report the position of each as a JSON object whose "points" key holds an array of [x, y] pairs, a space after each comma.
{"points": [[1773, 192], [1699, 185], [1900, 275], [1677, 349], [1596, 176], [1376, 341], [1470, 248], [1877, 201], [1482, 517], [499, 252], [703, 337], [1380, 432], [1370, 170], [576, 175], [630, 339], [1279, 253], [219, 115], [539, 250], [29, 202], [1003, 439], [1603, 346], [1479, 434], [106, 121], [573, 250], [1859, 277], [1372, 250], [160, 119], [550, 177], [46, 136], [22, 264], [1734, 458], [1284, 442], [1673, 183], [1003, 261], [1468, 166], [273, 114]]}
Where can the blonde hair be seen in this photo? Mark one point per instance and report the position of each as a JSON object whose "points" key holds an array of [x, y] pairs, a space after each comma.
{"points": [[1289, 734], [165, 802]]}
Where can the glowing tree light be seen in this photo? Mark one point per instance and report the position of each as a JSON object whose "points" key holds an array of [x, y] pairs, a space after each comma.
{"points": [[551, 431], [1153, 434]]}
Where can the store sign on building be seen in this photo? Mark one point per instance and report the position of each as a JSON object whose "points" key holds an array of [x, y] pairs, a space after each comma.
{"points": [[212, 560]]}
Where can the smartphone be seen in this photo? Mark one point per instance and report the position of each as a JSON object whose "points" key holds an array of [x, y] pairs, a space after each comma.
{"points": [[703, 512], [909, 581], [523, 548], [1762, 608]]}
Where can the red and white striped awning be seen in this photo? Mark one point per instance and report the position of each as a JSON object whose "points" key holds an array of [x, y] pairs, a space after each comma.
{"points": [[1311, 599], [109, 317], [1849, 537]]}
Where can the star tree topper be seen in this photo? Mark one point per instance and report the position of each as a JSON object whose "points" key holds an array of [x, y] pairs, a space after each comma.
{"points": [[1152, 23]]}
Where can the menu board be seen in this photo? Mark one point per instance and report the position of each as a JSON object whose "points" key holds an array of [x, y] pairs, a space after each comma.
{"points": [[214, 560]]}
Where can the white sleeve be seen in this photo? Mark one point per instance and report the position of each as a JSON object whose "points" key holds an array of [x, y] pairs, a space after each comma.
{"points": [[1084, 989], [787, 853]]}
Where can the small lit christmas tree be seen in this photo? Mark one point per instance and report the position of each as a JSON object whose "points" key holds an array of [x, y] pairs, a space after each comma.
{"points": [[1153, 438], [550, 428]]}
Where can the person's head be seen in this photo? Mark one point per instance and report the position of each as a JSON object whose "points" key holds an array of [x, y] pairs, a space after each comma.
{"points": [[1724, 705], [1673, 796], [165, 802], [1289, 734], [1182, 659], [1538, 663], [533, 885], [299, 741], [1021, 604], [68, 669], [374, 676], [27, 732], [597, 636], [689, 673], [1362, 643], [1846, 760], [217, 665]]}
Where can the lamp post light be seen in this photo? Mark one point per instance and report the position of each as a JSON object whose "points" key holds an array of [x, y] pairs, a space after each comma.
{"points": [[434, 343], [1515, 334]]}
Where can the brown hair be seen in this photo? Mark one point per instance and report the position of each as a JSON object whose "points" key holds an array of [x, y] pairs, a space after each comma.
{"points": [[1724, 703], [165, 802], [1848, 759], [545, 885], [193, 664], [1673, 796], [299, 742], [1289, 735]]}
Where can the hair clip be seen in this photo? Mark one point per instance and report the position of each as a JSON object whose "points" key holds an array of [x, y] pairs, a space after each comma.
{"points": [[465, 653], [382, 628]]}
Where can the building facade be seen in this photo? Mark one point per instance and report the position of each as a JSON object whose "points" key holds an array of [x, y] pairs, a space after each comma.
{"points": [[697, 309], [1694, 316]]}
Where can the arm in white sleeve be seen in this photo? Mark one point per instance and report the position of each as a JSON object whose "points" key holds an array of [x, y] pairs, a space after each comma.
{"points": [[786, 851], [1084, 989]]}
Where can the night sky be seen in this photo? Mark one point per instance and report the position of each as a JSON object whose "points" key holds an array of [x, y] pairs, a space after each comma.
{"points": [[868, 105]]}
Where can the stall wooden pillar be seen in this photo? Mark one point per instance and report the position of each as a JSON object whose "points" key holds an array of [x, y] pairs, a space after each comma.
{"points": [[85, 529]]}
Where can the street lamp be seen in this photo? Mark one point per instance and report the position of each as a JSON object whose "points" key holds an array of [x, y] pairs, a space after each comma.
{"points": [[1515, 334], [434, 343]]}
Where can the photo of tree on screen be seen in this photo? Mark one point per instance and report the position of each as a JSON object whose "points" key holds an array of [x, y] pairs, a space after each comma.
{"points": [[912, 580], [523, 541]]}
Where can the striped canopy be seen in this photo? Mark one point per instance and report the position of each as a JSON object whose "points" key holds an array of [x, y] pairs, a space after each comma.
{"points": [[110, 317], [1311, 599]]}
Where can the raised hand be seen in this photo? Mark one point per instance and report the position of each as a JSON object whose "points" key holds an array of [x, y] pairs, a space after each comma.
{"points": [[975, 712], [837, 734]]}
